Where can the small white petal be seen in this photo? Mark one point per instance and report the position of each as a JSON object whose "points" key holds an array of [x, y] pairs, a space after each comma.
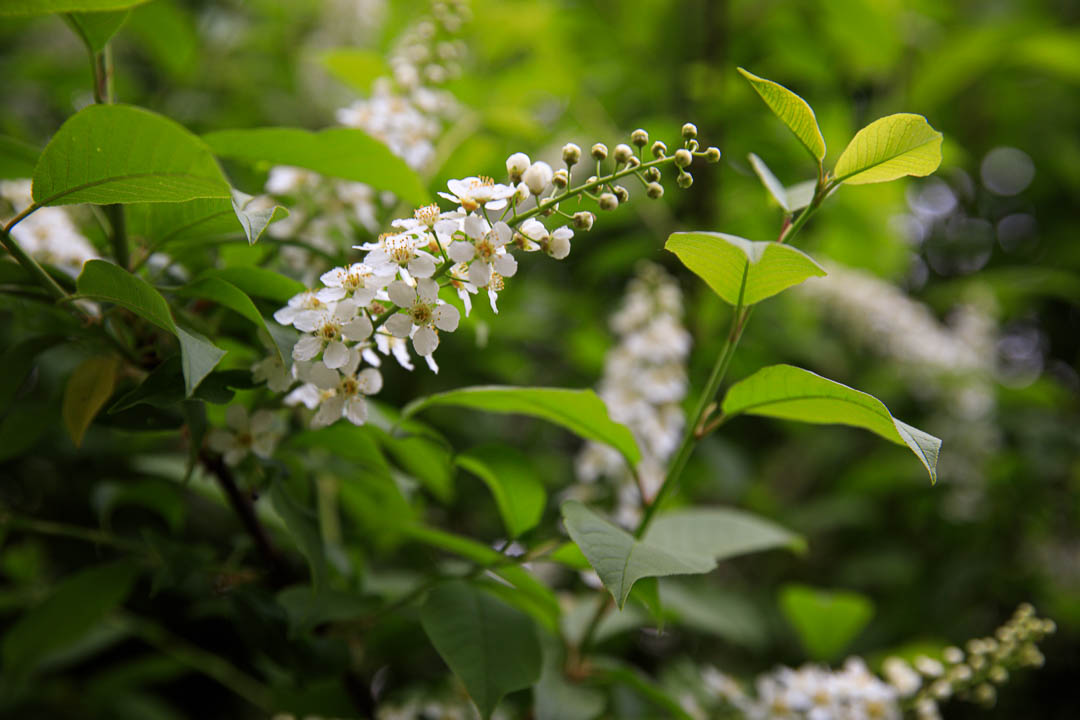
{"points": [[506, 265], [221, 440], [425, 341], [479, 273], [401, 354], [460, 251], [475, 227], [307, 347], [332, 278], [349, 368], [371, 357], [307, 395], [235, 455], [496, 205], [558, 247], [503, 233], [430, 359], [329, 412], [446, 317], [427, 290], [399, 325], [323, 377], [356, 410], [370, 381], [345, 311], [262, 421], [465, 300], [493, 296], [401, 294], [422, 266], [335, 354], [358, 329], [364, 295], [286, 315], [309, 320], [330, 294]]}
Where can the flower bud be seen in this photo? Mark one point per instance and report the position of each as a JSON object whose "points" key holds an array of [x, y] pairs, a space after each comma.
{"points": [[652, 174], [659, 149], [689, 131], [712, 154], [639, 137], [623, 153], [584, 220], [692, 145], [599, 151], [538, 177], [683, 158], [571, 154], [685, 180], [591, 180], [608, 201], [633, 162], [655, 190], [561, 178], [521, 194], [622, 193], [516, 165]]}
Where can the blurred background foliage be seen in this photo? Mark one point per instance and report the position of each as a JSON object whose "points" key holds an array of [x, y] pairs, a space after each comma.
{"points": [[990, 236]]}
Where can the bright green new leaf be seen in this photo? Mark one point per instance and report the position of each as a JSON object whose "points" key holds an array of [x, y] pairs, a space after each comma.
{"points": [[47, 7], [579, 411], [228, 295], [825, 621], [346, 153], [492, 647], [17, 158], [259, 282], [86, 392], [889, 148], [792, 393], [101, 280], [97, 28], [160, 224], [355, 67], [518, 492], [726, 262], [792, 110], [73, 608], [108, 154], [770, 181]]}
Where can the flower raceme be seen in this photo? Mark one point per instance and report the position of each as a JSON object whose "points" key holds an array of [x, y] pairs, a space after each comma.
{"points": [[391, 296]]}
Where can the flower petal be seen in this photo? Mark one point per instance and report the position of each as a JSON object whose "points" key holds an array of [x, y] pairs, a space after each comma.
{"points": [[427, 290], [336, 354], [399, 325], [475, 227], [506, 265], [480, 273], [329, 412], [370, 381], [425, 341], [401, 294], [460, 251], [422, 266], [356, 410], [358, 329], [446, 317], [323, 377], [307, 347]]}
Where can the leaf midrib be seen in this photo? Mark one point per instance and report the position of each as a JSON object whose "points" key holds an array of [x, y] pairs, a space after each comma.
{"points": [[745, 408], [131, 176], [861, 170]]}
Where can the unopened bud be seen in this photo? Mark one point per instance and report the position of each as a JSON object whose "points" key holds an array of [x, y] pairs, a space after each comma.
{"points": [[599, 151], [655, 190], [608, 201], [516, 165], [571, 153], [689, 131], [622, 193], [561, 178], [584, 220], [683, 158], [659, 149], [712, 154], [685, 180], [652, 174], [633, 162], [623, 153], [538, 177], [639, 137]]}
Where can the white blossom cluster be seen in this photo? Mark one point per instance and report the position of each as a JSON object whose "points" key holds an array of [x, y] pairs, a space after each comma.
{"points": [[643, 386], [49, 234]]}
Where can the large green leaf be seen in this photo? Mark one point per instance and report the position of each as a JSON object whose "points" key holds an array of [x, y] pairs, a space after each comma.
{"points": [[108, 154], [101, 280], [160, 224], [680, 543], [228, 295], [792, 393], [518, 492], [46, 7], [17, 158], [579, 411], [491, 646], [259, 282], [825, 621], [345, 153], [725, 262], [74, 608], [889, 148], [792, 110], [86, 392]]}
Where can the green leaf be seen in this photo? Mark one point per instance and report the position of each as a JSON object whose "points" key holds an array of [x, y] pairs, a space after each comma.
{"points": [[356, 68], [308, 608], [164, 387], [259, 282], [17, 158], [86, 392], [518, 492], [889, 148], [101, 280], [161, 224], [97, 28], [579, 411], [47, 7], [255, 217], [556, 696], [228, 295], [161, 497], [75, 607], [687, 542], [303, 528], [825, 621], [18, 361], [21, 428], [490, 646], [783, 391], [108, 154], [423, 459], [346, 153], [771, 183], [792, 110], [725, 262]]}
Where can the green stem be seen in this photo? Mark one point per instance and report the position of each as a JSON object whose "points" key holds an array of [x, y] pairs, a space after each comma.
{"points": [[118, 236], [73, 532], [30, 264]]}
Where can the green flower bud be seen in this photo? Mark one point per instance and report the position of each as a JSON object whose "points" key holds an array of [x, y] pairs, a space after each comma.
{"points": [[712, 154], [689, 131], [633, 162], [622, 193], [583, 220], [652, 174], [655, 190], [599, 151], [683, 158], [623, 153], [685, 180], [561, 178], [659, 149], [571, 153], [640, 138], [608, 201]]}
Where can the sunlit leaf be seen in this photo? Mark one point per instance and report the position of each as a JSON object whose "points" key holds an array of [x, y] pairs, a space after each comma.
{"points": [[783, 391], [86, 392], [46, 7], [161, 224], [825, 621], [97, 28], [107, 154], [889, 148], [490, 646], [771, 183], [723, 261], [228, 295], [518, 493], [792, 110]]}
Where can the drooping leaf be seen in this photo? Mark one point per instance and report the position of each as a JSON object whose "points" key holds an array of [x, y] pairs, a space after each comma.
{"points": [[101, 280], [889, 148], [47, 7], [718, 533], [254, 216], [788, 392], [86, 392], [259, 282], [825, 621], [346, 153], [490, 646], [303, 528], [161, 224], [228, 295], [722, 261], [355, 67], [795, 112], [97, 28], [518, 493], [579, 411], [74, 607], [107, 154], [801, 194], [17, 158], [422, 458], [771, 183], [164, 387]]}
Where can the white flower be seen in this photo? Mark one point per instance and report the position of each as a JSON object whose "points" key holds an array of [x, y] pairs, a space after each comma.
{"points": [[329, 328], [307, 300], [259, 434], [358, 281], [272, 371], [487, 246], [901, 676], [538, 177], [398, 347], [425, 312], [516, 165], [536, 236], [462, 286], [344, 391], [474, 192], [401, 252]]}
